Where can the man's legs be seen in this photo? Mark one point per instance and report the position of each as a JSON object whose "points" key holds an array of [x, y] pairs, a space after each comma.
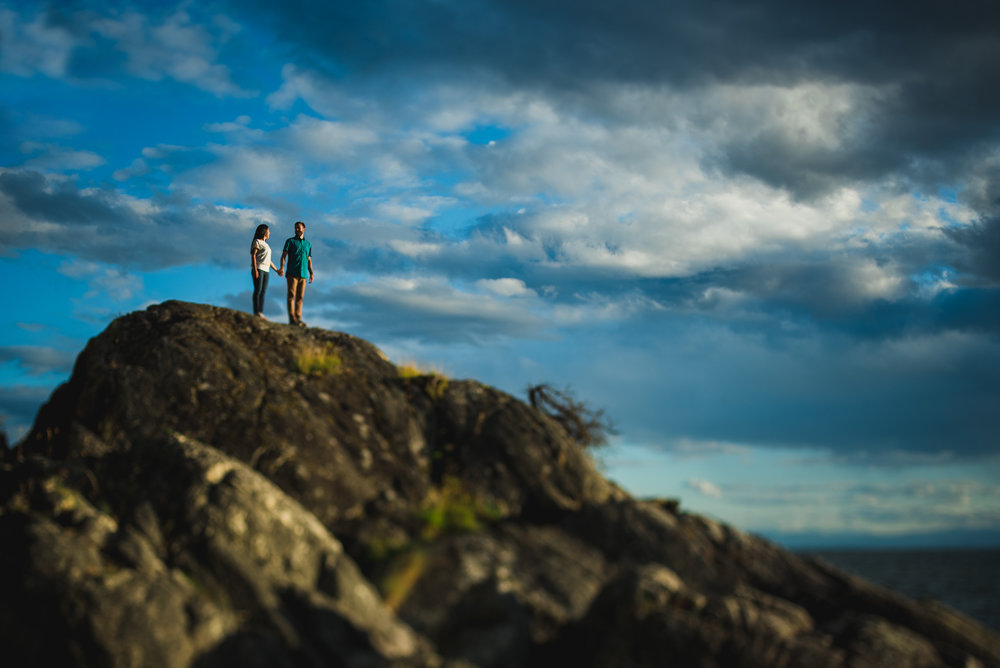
{"points": [[292, 290], [296, 293], [300, 293]]}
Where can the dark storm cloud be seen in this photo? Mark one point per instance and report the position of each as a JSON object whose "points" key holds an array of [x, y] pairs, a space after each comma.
{"points": [[920, 395], [983, 242], [38, 360], [981, 239], [34, 195], [686, 42], [101, 224], [935, 65], [18, 406], [824, 293]]}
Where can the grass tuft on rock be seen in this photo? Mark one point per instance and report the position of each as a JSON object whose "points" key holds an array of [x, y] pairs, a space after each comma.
{"points": [[319, 361], [451, 508]]}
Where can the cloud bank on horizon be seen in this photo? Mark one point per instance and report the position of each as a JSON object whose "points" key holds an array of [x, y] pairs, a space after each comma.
{"points": [[766, 227]]}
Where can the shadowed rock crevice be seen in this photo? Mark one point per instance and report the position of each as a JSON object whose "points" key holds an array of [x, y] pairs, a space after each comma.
{"points": [[209, 489]]}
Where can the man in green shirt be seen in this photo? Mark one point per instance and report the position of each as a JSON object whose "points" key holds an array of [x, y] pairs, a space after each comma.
{"points": [[299, 254]]}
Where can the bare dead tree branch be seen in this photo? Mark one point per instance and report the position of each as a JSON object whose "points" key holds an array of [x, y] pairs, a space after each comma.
{"points": [[590, 428]]}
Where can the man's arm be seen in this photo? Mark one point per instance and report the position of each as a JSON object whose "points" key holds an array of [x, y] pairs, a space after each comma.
{"points": [[310, 269], [283, 254]]}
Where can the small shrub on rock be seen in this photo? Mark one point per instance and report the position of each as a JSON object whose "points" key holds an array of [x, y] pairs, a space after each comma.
{"points": [[588, 427]]}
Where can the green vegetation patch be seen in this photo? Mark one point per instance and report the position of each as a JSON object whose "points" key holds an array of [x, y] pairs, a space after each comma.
{"points": [[409, 370], [400, 580], [435, 382], [436, 387], [451, 508], [448, 509], [319, 361]]}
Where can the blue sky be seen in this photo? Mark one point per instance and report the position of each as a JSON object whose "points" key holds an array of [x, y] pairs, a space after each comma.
{"points": [[764, 237]]}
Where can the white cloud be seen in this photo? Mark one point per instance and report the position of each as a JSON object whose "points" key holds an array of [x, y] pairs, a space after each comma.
{"points": [[871, 280], [505, 287], [103, 280], [930, 284], [46, 126], [58, 158], [241, 170], [432, 296], [138, 168], [886, 508], [636, 197], [423, 306], [329, 141], [812, 116], [914, 214], [402, 213], [319, 93], [29, 47], [177, 47], [594, 308], [415, 249], [245, 218], [705, 487], [239, 125]]}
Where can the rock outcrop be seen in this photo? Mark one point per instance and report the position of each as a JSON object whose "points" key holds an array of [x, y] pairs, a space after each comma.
{"points": [[213, 489]]}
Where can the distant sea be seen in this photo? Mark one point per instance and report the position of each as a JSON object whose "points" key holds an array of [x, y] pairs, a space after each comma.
{"points": [[967, 580]]}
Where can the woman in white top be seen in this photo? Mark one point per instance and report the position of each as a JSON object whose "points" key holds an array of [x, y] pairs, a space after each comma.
{"points": [[260, 267]]}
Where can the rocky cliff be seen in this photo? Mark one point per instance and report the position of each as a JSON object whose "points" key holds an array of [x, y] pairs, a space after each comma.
{"points": [[213, 489]]}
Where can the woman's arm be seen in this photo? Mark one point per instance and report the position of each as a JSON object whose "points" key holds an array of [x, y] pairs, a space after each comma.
{"points": [[253, 261]]}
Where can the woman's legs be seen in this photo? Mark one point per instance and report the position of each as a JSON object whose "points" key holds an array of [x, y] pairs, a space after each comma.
{"points": [[259, 291], [265, 277], [256, 291]]}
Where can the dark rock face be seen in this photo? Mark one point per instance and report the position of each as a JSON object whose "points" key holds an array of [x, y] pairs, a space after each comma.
{"points": [[212, 489]]}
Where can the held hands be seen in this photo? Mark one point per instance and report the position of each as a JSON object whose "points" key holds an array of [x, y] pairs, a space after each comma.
{"points": [[281, 272]]}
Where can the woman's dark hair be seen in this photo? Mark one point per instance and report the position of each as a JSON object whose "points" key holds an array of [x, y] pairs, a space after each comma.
{"points": [[259, 234]]}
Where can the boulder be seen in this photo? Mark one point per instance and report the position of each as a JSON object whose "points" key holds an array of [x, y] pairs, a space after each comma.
{"points": [[210, 488]]}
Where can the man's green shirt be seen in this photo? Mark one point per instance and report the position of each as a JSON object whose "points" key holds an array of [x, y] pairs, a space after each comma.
{"points": [[299, 250]]}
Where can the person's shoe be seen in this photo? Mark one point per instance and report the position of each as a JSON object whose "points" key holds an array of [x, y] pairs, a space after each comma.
{"points": [[301, 324]]}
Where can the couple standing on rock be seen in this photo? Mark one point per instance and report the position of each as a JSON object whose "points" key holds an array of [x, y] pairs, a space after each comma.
{"points": [[300, 266]]}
